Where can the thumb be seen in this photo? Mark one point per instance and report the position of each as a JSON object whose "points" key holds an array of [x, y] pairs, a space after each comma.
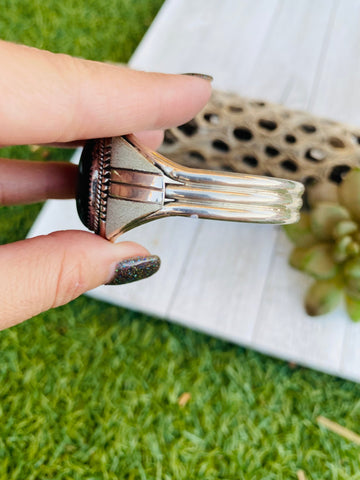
{"points": [[48, 271]]}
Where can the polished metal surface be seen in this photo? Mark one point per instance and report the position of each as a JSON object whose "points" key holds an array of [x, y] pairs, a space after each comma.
{"points": [[145, 186]]}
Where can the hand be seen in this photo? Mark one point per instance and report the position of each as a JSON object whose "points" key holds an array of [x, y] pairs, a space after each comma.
{"points": [[50, 98]]}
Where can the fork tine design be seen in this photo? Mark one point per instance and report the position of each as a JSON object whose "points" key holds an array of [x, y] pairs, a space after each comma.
{"points": [[123, 185]]}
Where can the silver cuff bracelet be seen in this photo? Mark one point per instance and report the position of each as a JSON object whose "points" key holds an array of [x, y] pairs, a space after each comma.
{"points": [[123, 185]]}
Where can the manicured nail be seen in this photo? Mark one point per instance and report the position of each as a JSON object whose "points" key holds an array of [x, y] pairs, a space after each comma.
{"points": [[133, 269], [209, 78]]}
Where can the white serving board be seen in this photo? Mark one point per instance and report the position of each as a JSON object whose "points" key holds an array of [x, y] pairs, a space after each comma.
{"points": [[226, 279]]}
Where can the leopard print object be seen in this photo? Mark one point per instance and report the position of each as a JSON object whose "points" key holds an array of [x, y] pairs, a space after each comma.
{"points": [[236, 134]]}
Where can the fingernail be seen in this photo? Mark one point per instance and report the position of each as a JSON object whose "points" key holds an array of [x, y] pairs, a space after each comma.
{"points": [[134, 269], [209, 78]]}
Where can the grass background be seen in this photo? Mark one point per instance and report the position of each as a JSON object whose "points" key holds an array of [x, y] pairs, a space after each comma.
{"points": [[90, 391]]}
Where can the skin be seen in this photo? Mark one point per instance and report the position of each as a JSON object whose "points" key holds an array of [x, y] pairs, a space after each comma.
{"points": [[56, 99]]}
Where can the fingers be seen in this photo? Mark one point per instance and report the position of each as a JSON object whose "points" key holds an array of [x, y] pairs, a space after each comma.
{"points": [[48, 271], [27, 182], [152, 138], [47, 98]]}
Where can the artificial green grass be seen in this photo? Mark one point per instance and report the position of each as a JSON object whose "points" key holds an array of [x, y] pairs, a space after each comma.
{"points": [[91, 391]]}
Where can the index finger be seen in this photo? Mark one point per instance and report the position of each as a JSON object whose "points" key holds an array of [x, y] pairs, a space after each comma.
{"points": [[47, 98]]}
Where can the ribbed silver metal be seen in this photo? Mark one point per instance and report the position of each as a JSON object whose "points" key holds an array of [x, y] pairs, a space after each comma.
{"points": [[145, 186]]}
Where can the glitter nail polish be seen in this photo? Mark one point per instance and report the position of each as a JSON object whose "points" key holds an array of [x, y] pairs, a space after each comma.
{"points": [[209, 78], [133, 269]]}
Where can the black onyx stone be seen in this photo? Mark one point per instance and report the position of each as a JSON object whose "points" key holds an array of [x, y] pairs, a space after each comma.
{"points": [[84, 184]]}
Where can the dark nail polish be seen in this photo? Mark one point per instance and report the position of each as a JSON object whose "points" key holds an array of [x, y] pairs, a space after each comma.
{"points": [[134, 269], [209, 78]]}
